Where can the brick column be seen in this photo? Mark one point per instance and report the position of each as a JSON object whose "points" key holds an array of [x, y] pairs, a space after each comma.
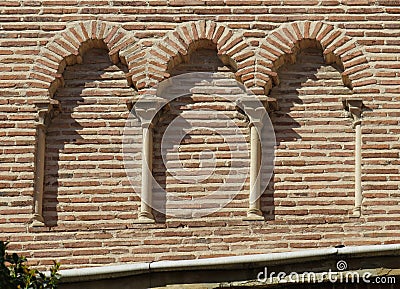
{"points": [[354, 106], [46, 111]]}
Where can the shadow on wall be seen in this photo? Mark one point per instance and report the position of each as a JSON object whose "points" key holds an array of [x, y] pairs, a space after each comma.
{"points": [[83, 156], [165, 189], [197, 166], [309, 101], [84, 141]]}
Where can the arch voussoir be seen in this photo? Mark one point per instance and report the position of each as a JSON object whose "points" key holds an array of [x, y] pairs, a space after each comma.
{"points": [[338, 43], [68, 46], [210, 29], [283, 43], [168, 51], [330, 38], [297, 31]]}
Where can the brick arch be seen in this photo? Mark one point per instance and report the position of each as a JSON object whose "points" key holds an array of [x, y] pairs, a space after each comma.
{"points": [[67, 48], [282, 44], [230, 44]]}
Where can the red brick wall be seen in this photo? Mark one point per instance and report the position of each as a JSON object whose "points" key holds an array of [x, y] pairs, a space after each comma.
{"points": [[314, 173], [85, 180], [90, 206]]}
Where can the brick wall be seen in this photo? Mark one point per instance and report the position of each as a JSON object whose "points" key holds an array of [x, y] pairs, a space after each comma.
{"points": [[85, 178], [314, 174], [61, 49]]}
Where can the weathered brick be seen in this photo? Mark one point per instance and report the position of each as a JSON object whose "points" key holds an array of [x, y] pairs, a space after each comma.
{"points": [[90, 203]]}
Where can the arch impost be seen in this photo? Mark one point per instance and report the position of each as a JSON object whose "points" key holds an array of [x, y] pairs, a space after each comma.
{"points": [[146, 108], [255, 112], [47, 109], [354, 106]]}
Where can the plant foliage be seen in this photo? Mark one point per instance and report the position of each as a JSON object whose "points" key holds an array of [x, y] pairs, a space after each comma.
{"points": [[16, 274]]}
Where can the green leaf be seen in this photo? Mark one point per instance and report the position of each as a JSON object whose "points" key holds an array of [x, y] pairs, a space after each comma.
{"points": [[15, 274]]}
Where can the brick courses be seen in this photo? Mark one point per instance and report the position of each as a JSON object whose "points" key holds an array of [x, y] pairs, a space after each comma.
{"points": [[86, 54]]}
